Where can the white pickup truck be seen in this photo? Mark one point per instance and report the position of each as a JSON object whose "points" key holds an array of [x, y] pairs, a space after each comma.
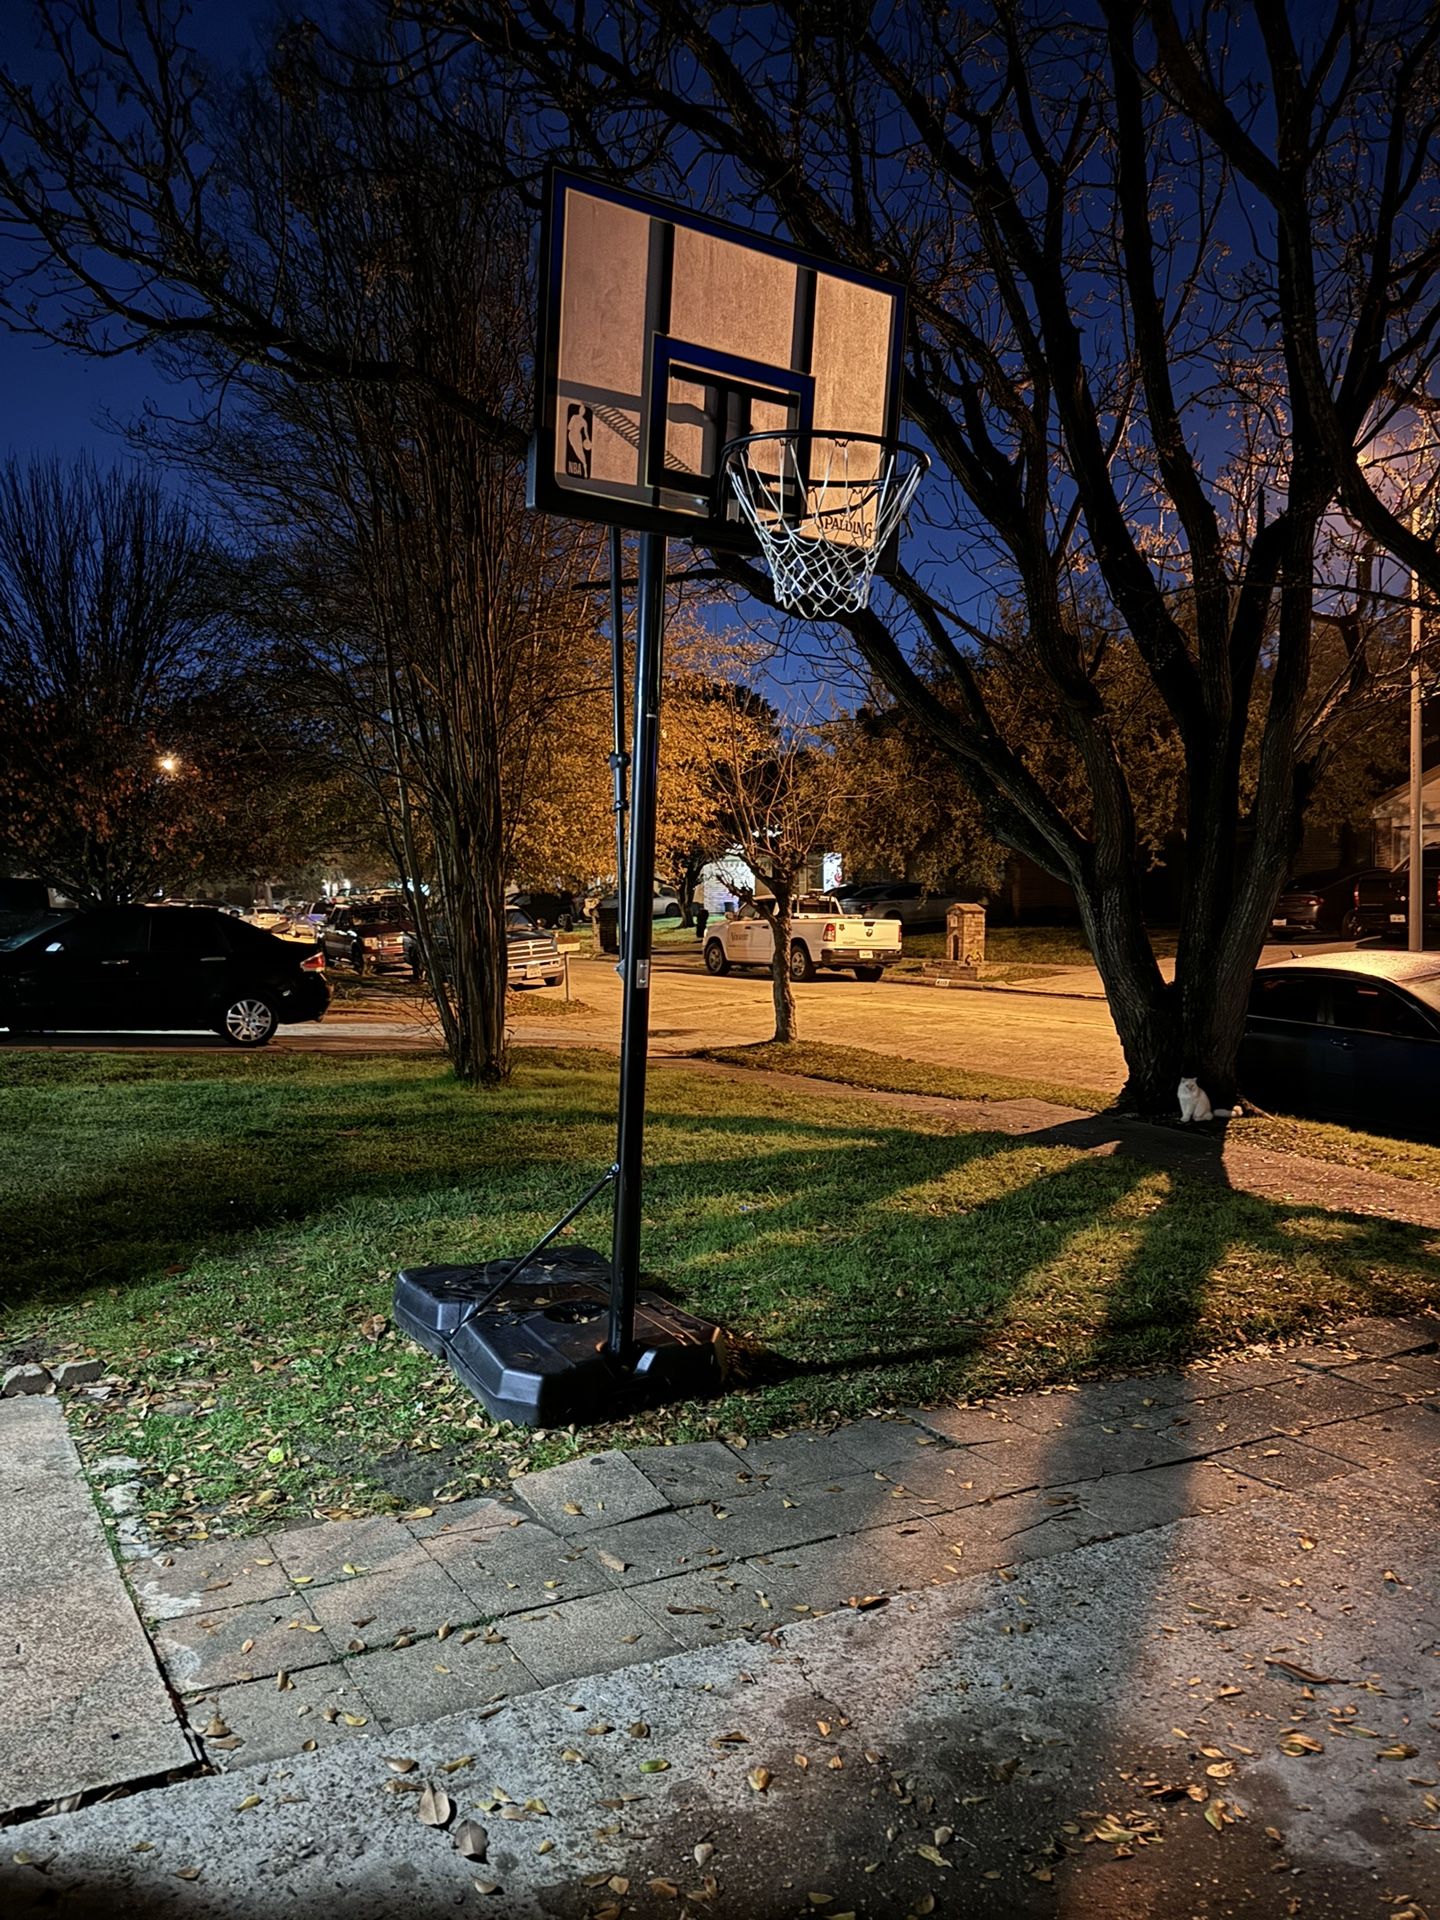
{"points": [[822, 939]]}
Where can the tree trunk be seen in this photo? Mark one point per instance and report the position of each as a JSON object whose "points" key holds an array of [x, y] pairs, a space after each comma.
{"points": [[472, 879], [781, 989]]}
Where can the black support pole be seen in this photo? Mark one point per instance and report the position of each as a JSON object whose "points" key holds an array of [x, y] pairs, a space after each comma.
{"points": [[619, 759], [638, 905]]}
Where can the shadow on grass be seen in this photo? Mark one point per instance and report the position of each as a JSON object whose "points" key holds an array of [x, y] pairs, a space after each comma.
{"points": [[910, 1261]]}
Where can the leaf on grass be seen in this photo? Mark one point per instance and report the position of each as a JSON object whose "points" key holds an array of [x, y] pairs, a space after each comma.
{"points": [[435, 1808]]}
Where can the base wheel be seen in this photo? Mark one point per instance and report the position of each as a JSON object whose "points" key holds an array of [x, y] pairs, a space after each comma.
{"points": [[802, 967], [715, 960]]}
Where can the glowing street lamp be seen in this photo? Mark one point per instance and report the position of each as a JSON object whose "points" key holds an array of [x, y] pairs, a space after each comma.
{"points": [[169, 763]]}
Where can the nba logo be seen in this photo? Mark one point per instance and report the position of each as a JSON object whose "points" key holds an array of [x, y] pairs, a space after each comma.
{"points": [[579, 432]]}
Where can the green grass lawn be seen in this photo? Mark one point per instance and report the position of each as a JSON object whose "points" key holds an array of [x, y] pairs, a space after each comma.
{"points": [[890, 1073], [224, 1229]]}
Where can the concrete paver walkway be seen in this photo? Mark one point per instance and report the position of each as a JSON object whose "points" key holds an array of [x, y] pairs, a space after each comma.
{"points": [[1164, 1646], [283, 1644]]}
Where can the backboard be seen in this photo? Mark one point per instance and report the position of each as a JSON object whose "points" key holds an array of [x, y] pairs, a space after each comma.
{"points": [[665, 335]]}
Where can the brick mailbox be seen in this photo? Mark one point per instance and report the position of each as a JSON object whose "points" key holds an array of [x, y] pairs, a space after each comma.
{"points": [[964, 946]]}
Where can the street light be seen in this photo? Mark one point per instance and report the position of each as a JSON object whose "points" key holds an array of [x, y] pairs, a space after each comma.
{"points": [[168, 763]]}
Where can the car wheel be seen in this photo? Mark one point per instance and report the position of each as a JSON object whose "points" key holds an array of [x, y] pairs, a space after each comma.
{"points": [[715, 961], [870, 973], [247, 1022], [802, 967], [1352, 927]]}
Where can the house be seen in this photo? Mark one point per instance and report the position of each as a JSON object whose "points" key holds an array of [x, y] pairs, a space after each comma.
{"points": [[1391, 815]]}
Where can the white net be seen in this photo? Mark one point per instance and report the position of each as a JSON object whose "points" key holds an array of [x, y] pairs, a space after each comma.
{"points": [[824, 506]]}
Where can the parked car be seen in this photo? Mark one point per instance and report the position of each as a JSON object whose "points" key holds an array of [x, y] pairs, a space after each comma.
{"points": [[164, 969], [822, 939], [532, 955], [1350, 901], [901, 900], [667, 904], [1398, 899], [368, 936], [560, 910], [1347, 1036]]}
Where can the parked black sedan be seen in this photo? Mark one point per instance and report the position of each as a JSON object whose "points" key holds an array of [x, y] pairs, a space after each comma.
{"points": [[1347, 1036], [157, 969], [1352, 901]]}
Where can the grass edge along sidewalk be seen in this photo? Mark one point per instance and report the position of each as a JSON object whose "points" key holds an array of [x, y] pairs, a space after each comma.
{"points": [[223, 1232]]}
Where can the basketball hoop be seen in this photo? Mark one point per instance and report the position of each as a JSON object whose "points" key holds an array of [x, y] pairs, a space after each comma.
{"points": [[824, 506]]}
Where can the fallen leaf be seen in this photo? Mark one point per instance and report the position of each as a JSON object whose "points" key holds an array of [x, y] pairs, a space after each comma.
{"points": [[759, 1778], [862, 1603], [397, 1765], [187, 1873], [612, 1561], [1302, 1673], [666, 1889], [654, 1766], [704, 1854], [355, 1719], [1398, 1752], [933, 1855], [435, 1808], [250, 1800], [1295, 1743]]}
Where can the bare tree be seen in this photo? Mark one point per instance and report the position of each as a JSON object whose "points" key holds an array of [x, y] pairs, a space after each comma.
{"points": [[346, 303], [114, 730], [784, 792], [1116, 371], [1132, 386]]}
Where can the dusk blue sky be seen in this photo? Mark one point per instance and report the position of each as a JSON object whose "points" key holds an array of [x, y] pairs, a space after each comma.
{"points": [[64, 403]]}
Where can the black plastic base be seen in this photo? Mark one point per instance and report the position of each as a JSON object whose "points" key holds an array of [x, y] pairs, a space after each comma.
{"points": [[536, 1353], [432, 1303]]}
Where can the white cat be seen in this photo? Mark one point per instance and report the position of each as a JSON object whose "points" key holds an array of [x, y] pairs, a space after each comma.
{"points": [[1195, 1103]]}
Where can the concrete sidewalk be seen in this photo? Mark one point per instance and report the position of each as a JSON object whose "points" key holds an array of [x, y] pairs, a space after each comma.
{"points": [[1151, 1647], [82, 1706]]}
